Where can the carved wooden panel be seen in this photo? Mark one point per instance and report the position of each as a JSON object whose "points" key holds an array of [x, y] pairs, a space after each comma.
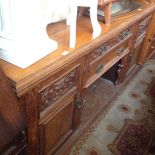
{"points": [[143, 27], [56, 90], [57, 127], [111, 43]]}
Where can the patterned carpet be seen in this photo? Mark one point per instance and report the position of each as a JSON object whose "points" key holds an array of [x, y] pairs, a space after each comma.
{"points": [[128, 127]]}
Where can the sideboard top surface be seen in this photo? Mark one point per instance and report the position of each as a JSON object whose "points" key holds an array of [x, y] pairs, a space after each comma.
{"points": [[25, 79]]}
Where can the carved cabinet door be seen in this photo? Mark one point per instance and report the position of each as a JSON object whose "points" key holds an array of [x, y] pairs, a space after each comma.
{"points": [[59, 109], [133, 57], [58, 125]]}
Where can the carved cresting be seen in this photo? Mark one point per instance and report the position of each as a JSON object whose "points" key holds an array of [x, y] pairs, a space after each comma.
{"points": [[110, 44], [52, 93]]}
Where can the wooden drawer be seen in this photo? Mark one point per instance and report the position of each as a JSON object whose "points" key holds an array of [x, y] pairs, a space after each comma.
{"points": [[58, 86], [142, 29], [105, 62], [109, 45]]}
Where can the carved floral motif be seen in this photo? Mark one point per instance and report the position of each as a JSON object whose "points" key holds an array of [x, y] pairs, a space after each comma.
{"points": [[109, 44], [52, 93]]}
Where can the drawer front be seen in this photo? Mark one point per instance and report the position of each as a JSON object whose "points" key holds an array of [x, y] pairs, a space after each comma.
{"points": [[51, 91], [106, 62], [110, 44], [142, 28]]}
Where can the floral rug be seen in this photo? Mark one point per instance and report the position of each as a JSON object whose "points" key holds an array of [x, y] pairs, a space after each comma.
{"points": [[128, 127]]}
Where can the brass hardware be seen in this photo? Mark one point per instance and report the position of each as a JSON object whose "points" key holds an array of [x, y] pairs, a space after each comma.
{"points": [[120, 51], [104, 48], [119, 70], [124, 34], [152, 47], [78, 101], [99, 68], [100, 52], [129, 58], [120, 65]]}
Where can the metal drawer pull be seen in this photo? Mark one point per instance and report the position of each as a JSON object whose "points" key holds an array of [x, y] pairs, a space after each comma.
{"points": [[104, 48], [153, 47], [100, 51], [99, 68], [120, 65], [124, 34], [120, 51]]}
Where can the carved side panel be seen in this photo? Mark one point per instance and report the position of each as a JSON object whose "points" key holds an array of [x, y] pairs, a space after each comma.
{"points": [[143, 27], [53, 92], [111, 43]]}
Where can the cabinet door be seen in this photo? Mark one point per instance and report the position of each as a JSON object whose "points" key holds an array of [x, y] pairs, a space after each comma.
{"points": [[58, 125], [152, 48], [133, 58], [122, 69]]}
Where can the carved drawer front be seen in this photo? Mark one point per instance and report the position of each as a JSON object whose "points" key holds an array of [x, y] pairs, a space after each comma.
{"points": [[106, 62], [56, 127], [53, 91], [110, 44], [142, 28]]}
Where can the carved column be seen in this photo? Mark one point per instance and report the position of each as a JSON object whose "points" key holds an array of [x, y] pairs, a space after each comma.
{"points": [[32, 110]]}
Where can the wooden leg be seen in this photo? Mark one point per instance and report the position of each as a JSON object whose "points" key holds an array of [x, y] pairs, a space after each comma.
{"points": [[107, 13]]}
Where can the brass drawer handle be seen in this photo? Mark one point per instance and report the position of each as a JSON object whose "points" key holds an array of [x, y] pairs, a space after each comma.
{"points": [[152, 47], [104, 48], [120, 51], [99, 68], [100, 52], [120, 65], [124, 34]]}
